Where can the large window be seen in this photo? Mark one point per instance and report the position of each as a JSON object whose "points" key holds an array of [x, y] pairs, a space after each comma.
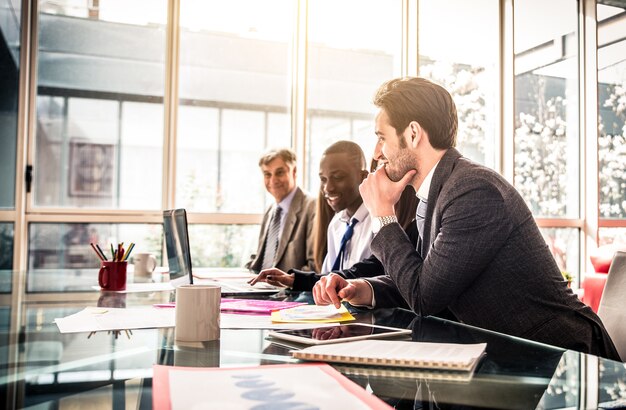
{"points": [[10, 31], [546, 107], [612, 111], [235, 100], [136, 110], [9, 67], [464, 62], [345, 67], [61, 259], [564, 245], [546, 142], [99, 137], [6, 256]]}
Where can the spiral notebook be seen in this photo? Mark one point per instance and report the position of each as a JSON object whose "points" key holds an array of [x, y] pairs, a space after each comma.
{"points": [[373, 372], [391, 353]]}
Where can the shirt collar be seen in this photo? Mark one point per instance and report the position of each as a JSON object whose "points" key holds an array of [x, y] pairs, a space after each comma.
{"points": [[286, 202], [422, 192], [360, 214]]}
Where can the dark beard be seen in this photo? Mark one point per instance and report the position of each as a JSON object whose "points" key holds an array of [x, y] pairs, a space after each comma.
{"points": [[402, 164]]}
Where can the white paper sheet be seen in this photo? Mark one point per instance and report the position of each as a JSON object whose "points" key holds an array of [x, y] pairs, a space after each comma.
{"points": [[95, 319]]}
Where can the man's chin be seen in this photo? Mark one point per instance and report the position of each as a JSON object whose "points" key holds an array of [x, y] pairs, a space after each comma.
{"points": [[333, 206], [396, 177]]}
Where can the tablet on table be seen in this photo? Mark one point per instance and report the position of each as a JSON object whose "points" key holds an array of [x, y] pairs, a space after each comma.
{"points": [[338, 333]]}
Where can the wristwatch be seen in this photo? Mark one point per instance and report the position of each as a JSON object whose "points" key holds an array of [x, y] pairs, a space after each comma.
{"points": [[380, 221]]}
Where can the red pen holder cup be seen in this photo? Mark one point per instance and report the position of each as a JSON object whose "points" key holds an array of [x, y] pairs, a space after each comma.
{"points": [[112, 275]]}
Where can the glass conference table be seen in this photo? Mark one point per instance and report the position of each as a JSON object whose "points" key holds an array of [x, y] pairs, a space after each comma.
{"points": [[41, 368]]}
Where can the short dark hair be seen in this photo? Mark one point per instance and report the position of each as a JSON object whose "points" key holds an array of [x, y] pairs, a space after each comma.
{"points": [[286, 154], [352, 149], [417, 99]]}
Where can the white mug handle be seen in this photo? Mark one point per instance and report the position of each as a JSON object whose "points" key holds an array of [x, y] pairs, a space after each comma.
{"points": [[151, 264]]}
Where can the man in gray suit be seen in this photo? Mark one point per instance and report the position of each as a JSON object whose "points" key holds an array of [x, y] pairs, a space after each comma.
{"points": [[286, 238], [479, 253]]}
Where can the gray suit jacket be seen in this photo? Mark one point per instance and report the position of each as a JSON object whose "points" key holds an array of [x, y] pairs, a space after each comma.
{"points": [[486, 261], [295, 247]]}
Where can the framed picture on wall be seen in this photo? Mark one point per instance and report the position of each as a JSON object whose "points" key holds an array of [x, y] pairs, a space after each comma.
{"points": [[92, 169]]}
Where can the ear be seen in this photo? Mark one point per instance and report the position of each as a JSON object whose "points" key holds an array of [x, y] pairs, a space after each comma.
{"points": [[417, 133]]}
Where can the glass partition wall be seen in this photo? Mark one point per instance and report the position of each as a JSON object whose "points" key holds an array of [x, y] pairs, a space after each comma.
{"points": [[131, 108]]}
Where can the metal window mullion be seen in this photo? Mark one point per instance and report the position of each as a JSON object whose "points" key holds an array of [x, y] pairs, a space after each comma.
{"points": [[118, 154], [410, 57], [140, 217], [560, 223], [505, 162], [26, 87], [218, 162], [170, 103], [64, 159], [612, 223], [299, 88], [589, 190]]}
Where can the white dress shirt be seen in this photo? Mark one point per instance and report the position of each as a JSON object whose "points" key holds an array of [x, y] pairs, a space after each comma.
{"points": [[357, 248]]}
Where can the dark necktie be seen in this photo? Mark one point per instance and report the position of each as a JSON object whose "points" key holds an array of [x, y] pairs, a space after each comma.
{"points": [[271, 240], [344, 240], [420, 215]]}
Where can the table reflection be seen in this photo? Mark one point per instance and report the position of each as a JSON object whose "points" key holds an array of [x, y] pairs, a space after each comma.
{"points": [[41, 366]]}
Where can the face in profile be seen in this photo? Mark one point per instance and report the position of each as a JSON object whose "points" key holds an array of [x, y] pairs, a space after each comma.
{"points": [[340, 177], [396, 159], [279, 178]]}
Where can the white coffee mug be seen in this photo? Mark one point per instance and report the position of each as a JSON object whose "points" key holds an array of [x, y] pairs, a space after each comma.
{"points": [[144, 264], [198, 313]]}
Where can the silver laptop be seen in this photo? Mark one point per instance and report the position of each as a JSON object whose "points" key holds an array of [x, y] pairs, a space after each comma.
{"points": [[179, 259]]}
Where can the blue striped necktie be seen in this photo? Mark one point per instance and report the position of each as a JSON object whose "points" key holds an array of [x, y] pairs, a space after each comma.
{"points": [[271, 240], [344, 240], [420, 215]]}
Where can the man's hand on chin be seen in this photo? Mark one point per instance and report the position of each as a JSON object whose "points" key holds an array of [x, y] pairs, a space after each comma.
{"points": [[380, 193]]}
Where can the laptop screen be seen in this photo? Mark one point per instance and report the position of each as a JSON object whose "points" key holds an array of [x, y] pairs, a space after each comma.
{"points": [[177, 246]]}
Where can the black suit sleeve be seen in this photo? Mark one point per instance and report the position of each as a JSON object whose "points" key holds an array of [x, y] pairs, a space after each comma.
{"points": [[367, 268], [303, 281]]}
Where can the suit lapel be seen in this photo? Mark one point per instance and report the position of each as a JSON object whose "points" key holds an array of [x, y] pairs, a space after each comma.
{"points": [[266, 224], [290, 222], [443, 171]]}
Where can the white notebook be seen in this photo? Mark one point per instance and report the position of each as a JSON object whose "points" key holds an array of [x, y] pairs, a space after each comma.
{"points": [[392, 353]]}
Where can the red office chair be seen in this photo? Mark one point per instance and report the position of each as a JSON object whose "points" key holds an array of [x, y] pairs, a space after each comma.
{"points": [[593, 283]]}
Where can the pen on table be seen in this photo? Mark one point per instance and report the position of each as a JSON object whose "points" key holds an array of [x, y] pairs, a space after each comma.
{"points": [[112, 253]]}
